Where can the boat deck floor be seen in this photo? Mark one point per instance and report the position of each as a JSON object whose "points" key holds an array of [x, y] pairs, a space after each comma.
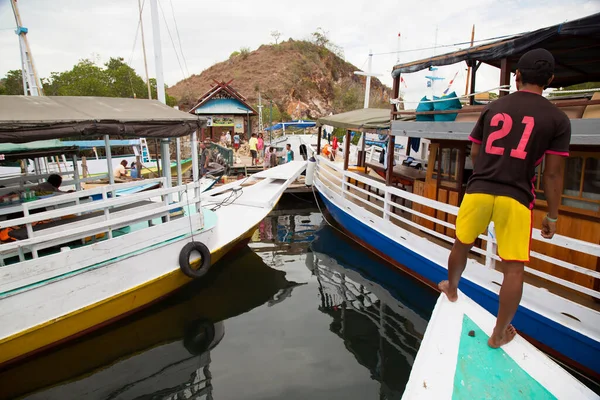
{"points": [[552, 287]]}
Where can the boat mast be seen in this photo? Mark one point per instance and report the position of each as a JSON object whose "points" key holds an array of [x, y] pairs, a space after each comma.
{"points": [[469, 67], [160, 87], [144, 51], [31, 83]]}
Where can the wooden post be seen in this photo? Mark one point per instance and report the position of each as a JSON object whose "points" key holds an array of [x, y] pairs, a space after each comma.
{"points": [[468, 64], [319, 140], [346, 150], [390, 160], [84, 168], [504, 75], [474, 69], [361, 159]]}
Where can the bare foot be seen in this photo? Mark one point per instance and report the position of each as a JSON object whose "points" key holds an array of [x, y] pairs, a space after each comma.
{"points": [[444, 286], [496, 341]]}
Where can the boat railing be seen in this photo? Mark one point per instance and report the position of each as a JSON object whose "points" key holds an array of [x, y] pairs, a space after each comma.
{"points": [[381, 207], [30, 181], [101, 217]]}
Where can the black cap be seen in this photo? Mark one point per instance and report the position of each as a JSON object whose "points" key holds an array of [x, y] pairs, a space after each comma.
{"points": [[537, 60]]}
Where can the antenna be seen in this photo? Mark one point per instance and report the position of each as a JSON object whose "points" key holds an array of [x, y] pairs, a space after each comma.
{"points": [[260, 114], [398, 59], [31, 83]]}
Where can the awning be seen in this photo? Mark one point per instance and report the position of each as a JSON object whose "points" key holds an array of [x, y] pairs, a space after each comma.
{"points": [[574, 44], [362, 119], [42, 148], [292, 124], [30, 118]]}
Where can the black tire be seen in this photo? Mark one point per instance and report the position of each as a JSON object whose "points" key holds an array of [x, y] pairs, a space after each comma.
{"points": [[198, 336], [184, 259]]}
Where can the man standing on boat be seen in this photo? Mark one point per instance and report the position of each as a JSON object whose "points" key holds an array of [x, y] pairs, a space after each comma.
{"points": [[511, 138]]}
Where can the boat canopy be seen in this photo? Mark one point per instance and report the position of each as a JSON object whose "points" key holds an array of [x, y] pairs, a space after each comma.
{"points": [[574, 44], [291, 124], [29, 118], [362, 119], [41, 148]]}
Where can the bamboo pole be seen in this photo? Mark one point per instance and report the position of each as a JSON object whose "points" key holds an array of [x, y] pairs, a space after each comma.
{"points": [[469, 68]]}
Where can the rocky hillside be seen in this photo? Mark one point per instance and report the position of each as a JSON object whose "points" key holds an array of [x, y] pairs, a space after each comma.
{"points": [[303, 79]]}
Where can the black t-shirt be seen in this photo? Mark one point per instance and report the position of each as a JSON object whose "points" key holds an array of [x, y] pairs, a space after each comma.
{"points": [[515, 132]]}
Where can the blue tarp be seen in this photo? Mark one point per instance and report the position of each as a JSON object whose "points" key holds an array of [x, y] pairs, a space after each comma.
{"points": [[292, 124], [88, 144]]}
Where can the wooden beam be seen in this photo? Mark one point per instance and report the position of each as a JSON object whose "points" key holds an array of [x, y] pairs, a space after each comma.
{"points": [[389, 172], [504, 75], [395, 92], [319, 140], [474, 69], [346, 150], [557, 102]]}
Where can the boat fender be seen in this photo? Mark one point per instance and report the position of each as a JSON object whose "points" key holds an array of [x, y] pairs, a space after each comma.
{"points": [[184, 259], [310, 171], [198, 336]]}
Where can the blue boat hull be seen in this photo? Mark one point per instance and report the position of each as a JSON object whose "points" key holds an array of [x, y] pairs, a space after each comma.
{"points": [[583, 351]]}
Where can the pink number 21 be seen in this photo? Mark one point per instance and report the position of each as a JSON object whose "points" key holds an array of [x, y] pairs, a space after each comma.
{"points": [[507, 123]]}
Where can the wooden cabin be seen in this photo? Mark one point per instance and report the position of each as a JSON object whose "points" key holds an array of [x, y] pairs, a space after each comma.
{"points": [[576, 48]]}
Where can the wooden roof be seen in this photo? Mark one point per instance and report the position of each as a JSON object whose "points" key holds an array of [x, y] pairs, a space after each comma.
{"points": [[221, 90]]}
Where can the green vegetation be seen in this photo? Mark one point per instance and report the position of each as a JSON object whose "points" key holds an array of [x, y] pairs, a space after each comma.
{"points": [[581, 86], [244, 52], [86, 78], [12, 83]]}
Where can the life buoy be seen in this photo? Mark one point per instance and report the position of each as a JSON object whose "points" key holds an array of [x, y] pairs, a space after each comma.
{"points": [[184, 259]]}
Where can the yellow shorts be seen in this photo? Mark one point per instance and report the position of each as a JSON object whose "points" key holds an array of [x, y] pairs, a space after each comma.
{"points": [[512, 223]]}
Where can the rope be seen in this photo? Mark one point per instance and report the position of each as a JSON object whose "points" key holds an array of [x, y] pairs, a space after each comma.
{"points": [[446, 45], [172, 41], [179, 40]]}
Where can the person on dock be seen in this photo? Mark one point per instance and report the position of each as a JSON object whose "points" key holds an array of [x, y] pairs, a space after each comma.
{"points": [[334, 147], [267, 158], [120, 172], [289, 153], [260, 146], [273, 157], [511, 137], [228, 139], [253, 144], [236, 142], [204, 158]]}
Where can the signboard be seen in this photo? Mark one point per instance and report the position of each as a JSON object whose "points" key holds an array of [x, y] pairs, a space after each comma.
{"points": [[222, 121]]}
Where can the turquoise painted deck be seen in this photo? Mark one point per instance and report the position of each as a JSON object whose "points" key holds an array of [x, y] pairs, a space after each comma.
{"points": [[486, 373]]}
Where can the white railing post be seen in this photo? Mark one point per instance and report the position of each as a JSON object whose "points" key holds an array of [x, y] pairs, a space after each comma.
{"points": [[106, 213], [490, 247], [344, 185], [386, 205], [29, 228]]}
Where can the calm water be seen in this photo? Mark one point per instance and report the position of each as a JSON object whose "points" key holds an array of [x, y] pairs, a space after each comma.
{"points": [[301, 313]]}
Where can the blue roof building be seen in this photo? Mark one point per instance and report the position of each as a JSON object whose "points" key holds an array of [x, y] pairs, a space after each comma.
{"points": [[227, 111]]}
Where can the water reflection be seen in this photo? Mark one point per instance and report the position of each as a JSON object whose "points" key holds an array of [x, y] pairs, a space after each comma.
{"points": [[163, 351], [302, 313], [380, 314]]}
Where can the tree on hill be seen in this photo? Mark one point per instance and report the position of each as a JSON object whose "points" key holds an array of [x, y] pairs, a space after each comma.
{"points": [[86, 78], [12, 83]]}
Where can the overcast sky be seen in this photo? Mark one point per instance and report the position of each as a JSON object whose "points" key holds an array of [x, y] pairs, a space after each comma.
{"points": [[63, 31]]}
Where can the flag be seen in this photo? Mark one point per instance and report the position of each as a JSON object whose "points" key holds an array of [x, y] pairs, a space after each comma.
{"points": [[403, 81]]}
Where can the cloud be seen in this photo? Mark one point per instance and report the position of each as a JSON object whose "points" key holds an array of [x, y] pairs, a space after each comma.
{"points": [[63, 31]]}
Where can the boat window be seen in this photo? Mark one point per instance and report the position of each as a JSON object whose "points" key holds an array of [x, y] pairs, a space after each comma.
{"points": [[581, 187], [449, 162]]}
